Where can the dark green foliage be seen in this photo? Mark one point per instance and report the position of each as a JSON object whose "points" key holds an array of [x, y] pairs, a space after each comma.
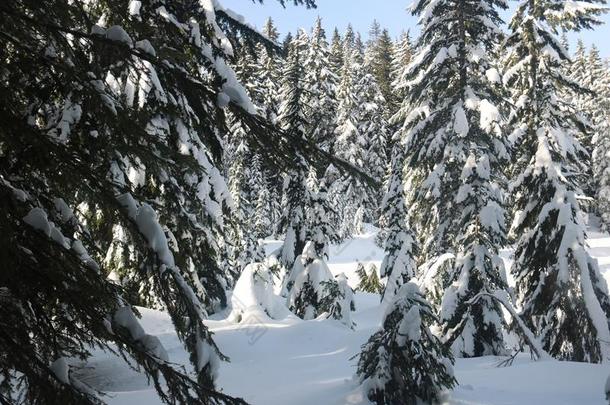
{"points": [[379, 56], [369, 281], [313, 291]]}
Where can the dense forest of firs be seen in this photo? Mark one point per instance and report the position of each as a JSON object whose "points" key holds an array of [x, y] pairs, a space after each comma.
{"points": [[148, 147]]}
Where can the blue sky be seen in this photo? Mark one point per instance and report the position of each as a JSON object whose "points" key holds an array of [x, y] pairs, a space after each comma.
{"points": [[391, 14]]}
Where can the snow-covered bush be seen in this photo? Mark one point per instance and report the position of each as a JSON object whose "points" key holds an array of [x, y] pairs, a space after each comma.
{"points": [[313, 291], [338, 300], [306, 283], [253, 296], [404, 363]]}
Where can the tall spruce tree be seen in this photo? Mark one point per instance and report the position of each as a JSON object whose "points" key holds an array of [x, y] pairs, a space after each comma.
{"points": [[601, 151], [351, 145], [242, 239], [399, 263], [455, 151], [349, 38], [373, 127], [378, 59], [336, 52], [561, 294], [597, 111], [293, 119], [401, 59], [268, 72], [321, 83]]}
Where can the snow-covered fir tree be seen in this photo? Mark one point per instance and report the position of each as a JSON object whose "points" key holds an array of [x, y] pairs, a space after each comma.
{"points": [[242, 239], [601, 142], [268, 72], [321, 87], [560, 292], [265, 204], [349, 145], [338, 300], [455, 154], [578, 73], [597, 110], [584, 70], [312, 290], [361, 139], [401, 59], [286, 42], [336, 52], [349, 39], [378, 59], [368, 280], [404, 362], [320, 229], [373, 127], [398, 265], [293, 119]]}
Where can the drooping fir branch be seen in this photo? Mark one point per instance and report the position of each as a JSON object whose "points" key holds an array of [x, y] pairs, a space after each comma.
{"points": [[90, 115], [50, 281]]}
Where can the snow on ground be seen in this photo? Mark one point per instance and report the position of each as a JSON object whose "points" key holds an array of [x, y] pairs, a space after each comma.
{"points": [[297, 362]]}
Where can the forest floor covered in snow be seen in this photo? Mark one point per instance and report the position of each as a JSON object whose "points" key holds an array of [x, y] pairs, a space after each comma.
{"points": [[298, 362]]}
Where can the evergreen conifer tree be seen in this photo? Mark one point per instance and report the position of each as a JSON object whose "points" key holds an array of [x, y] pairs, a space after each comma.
{"points": [[294, 120], [601, 151], [378, 60], [349, 145], [267, 70], [597, 110], [321, 84], [401, 59], [455, 155], [313, 291], [560, 292], [336, 53], [398, 266], [339, 300], [373, 127], [320, 229], [404, 362], [368, 279], [349, 39]]}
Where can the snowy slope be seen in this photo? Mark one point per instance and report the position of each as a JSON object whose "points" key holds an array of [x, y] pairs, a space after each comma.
{"points": [[298, 362]]}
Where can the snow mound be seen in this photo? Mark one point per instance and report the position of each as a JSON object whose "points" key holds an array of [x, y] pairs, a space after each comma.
{"points": [[253, 297]]}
